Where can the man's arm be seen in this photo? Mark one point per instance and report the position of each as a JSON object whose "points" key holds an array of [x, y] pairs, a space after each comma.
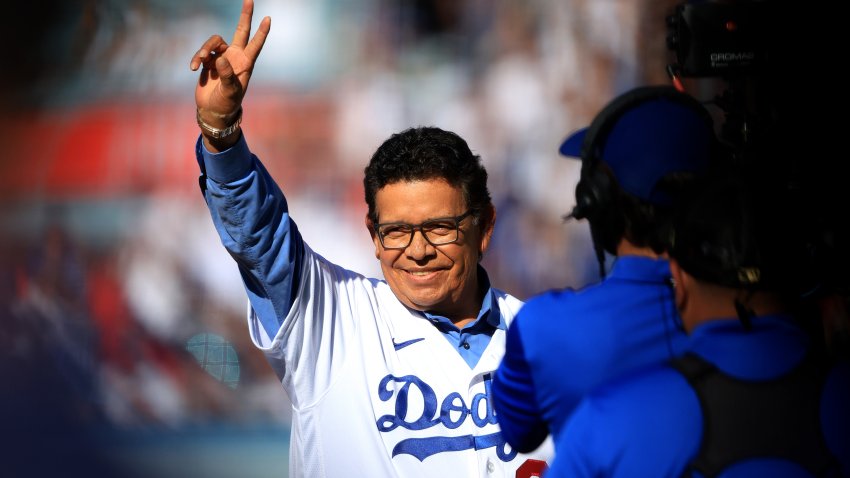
{"points": [[514, 397], [248, 209], [252, 219]]}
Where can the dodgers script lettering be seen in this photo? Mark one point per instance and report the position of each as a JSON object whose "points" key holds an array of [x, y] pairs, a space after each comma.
{"points": [[451, 413]]}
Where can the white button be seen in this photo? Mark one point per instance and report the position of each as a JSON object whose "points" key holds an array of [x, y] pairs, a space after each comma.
{"points": [[490, 467]]}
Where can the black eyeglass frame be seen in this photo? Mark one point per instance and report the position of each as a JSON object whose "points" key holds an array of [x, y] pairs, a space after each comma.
{"points": [[421, 227]]}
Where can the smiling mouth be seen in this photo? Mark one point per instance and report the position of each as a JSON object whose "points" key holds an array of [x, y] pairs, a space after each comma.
{"points": [[422, 274]]}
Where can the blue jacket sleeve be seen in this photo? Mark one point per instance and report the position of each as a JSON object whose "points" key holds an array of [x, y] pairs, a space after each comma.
{"points": [[252, 219], [514, 395]]}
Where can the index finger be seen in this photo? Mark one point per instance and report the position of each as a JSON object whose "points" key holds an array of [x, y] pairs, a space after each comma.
{"points": [[215, 44], [243, 28]]}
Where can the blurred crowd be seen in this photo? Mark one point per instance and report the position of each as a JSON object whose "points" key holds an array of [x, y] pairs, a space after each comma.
{"points": [[110, 264]]}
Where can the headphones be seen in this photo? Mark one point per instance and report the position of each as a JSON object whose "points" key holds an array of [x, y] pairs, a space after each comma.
{"points": [[597, 189]]}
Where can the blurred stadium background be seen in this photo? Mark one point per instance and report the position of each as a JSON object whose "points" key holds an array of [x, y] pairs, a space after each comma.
{"points": [[113, 280]]}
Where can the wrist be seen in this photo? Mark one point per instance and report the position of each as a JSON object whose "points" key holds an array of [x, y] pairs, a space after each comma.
{"points": [[213, 132]]}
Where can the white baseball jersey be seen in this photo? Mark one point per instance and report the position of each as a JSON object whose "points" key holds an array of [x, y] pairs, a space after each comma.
{"points": [[378, 391]]}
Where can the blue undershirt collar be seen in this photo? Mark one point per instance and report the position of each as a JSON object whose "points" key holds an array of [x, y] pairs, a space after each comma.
{"points": [[471, 341]]}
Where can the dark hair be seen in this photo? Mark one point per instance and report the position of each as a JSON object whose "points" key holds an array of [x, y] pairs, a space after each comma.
{"points": [[646, 224], [641, 222], [427, 153], [736, 232]]}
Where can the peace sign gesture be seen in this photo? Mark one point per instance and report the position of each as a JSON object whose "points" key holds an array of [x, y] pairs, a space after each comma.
{"points": [[225, 73]]}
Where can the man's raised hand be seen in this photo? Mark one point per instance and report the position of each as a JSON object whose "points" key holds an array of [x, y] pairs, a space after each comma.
{"points": [[226, 70]]}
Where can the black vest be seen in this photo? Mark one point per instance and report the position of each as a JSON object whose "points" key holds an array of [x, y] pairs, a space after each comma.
{"points": [[745, 419]]}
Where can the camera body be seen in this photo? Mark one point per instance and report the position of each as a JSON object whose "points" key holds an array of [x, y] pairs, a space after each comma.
{"points": [[720, 39]]}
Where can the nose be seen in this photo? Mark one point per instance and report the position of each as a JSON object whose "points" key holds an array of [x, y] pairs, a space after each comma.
{"points": [[419, 246]]}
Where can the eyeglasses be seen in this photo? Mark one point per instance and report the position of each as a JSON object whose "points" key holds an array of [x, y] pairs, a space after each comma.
{"points": [[438, 232]]}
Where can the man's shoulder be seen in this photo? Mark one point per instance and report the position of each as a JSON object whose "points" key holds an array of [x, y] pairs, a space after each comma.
{"points": [[568, 304], [564, 322], [553, 298], [636, 426], [644, 380]]}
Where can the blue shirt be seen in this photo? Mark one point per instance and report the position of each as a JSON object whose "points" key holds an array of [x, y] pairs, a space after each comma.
{"points": [[565, 343], [472, 339], [650, 423], [269, 264]]}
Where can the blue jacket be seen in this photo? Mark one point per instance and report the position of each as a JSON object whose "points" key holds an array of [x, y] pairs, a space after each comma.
{"points": [[563, 344]]}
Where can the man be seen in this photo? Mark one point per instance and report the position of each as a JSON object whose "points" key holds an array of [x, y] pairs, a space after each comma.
{"points": [[386, 377], [756, 395], [638, 152]]}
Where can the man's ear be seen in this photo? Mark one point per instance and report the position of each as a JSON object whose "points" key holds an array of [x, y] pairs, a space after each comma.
{"points": [[371, 227], [681, 284], [486, 226]]}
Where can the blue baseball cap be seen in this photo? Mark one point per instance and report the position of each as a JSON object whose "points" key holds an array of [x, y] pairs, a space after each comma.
{"points": [[643, 140]]}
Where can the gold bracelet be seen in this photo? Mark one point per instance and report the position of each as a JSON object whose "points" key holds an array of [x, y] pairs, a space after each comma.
{"points": [[219, 133]]}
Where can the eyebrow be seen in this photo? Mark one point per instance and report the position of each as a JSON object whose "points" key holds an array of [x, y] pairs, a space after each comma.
{"points": [[435, 218]]}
